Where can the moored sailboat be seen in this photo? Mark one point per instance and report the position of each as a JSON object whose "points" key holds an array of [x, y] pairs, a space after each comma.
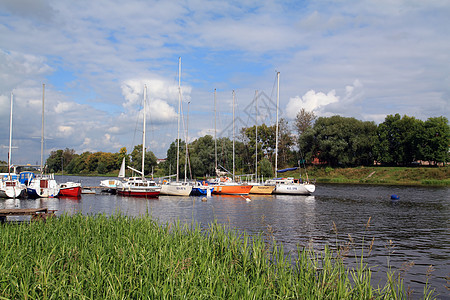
{"points": [[177, 188], [225, 185], [140, 186], [287, 185], [10, 186], [111, 185], [43, 185]]}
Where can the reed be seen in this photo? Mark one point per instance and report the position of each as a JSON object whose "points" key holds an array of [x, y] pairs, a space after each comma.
{"points": [[118, 257]]}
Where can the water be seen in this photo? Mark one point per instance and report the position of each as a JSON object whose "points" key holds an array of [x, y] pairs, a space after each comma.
{"points": [[414, 229]]}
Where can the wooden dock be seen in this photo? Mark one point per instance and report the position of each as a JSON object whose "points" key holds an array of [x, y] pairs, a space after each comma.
{"points": [[35, 213]]}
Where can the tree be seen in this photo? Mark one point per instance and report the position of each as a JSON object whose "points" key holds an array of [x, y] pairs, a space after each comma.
{"points": [[136, 159], [59, 159], [435, 140], [340, 141], [399, 139], [304, 120]]}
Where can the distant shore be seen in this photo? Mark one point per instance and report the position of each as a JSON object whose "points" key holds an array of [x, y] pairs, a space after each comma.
{"points": [[422, 176], [416, 176]]}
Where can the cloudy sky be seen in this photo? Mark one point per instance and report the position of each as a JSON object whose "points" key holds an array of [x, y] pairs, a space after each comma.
{"points": [[362, 59]]}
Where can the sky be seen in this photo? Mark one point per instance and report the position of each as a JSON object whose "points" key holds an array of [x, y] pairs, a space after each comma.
{"points": [[363, 59]]}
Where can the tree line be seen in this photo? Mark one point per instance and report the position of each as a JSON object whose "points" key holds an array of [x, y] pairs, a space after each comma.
{"points": [[332, 141]]}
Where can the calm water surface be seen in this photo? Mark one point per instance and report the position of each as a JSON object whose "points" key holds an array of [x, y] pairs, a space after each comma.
{"points": [[409, 234]]}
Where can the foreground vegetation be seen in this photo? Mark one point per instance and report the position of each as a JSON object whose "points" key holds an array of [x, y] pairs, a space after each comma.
{"points": [[96, 257]]}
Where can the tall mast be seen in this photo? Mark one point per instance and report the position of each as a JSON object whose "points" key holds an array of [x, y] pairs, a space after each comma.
{"points": [[42, 130], [276, 131], [186, 156], [10, 134], [143, 136], [179, 110], [215, 128], [233, 135], [256, 136]]}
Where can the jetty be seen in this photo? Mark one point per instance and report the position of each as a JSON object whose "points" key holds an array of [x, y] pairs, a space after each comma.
{"points": [[35, 213]]}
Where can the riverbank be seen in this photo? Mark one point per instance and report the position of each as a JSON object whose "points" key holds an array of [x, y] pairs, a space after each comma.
{"points": [[426, 176], [414, 176], [99, 257]]}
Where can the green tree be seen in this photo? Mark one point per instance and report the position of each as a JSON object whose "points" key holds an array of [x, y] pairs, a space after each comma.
{"points": [[304, 120], [136, 159], [435, 140], [340, 141], [399, 140]]}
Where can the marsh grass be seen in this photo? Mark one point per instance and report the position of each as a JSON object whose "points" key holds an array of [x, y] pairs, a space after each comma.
{"points": [[119, 257]]}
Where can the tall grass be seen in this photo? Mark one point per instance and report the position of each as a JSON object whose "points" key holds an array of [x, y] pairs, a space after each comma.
{"points": [[119, 257]]}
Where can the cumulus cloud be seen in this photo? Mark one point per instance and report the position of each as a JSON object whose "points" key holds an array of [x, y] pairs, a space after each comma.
{"points": [[329, 104], [311, 101]]}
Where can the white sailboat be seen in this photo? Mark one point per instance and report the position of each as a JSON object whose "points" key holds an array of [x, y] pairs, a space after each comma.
{"points": [[140, 186], [177, 188], [111, 185], [43, 185], [11, 187], [287, 185], [258, 187]]}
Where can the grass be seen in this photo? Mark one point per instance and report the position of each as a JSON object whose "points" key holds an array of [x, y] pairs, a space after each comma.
{"points": [[118, 257], [431, 176]]}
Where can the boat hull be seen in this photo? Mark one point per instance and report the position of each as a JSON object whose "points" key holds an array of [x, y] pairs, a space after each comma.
{"points": [[12, 192], [294, 189], [70, 191], [176, 190], [232, 189], [262, 189], [138, 193]]}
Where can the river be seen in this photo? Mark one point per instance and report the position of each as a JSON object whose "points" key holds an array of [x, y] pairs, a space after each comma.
{"points": [[410, 234]]}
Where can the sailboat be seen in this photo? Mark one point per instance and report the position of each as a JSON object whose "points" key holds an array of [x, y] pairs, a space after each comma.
{"points": [[43, 185], [287, 185], [111, 185], [11, 187], [177, 188], [140, 186], [224, 185], [259, 188]]}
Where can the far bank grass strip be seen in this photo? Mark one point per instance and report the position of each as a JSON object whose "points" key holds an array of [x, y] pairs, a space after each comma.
{"points": [[118, 257]]}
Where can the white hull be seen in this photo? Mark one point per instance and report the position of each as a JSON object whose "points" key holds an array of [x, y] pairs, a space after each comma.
{"points": [[295, 189], [45, 187], [12, 189], [176, 189]]}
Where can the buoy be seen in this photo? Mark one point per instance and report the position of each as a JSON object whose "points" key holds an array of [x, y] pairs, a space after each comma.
{"points": [[395, 197], [204, 199]]}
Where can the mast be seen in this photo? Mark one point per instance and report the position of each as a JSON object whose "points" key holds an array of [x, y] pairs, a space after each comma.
{"points": [[10, 137], [143, 136], [276, 131], [215, 130], [233, 135], [256, 136], [179, 110], [42, 130], [186, 156]]}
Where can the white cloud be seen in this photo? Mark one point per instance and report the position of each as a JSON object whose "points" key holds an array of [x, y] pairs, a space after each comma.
{"points": [[311, 101]]}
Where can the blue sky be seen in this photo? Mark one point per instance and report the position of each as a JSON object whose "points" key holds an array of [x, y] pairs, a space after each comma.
{"points": [[362, 59]]}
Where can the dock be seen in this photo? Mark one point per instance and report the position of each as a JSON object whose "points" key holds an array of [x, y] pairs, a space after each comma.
{"points": [[35, 213]]}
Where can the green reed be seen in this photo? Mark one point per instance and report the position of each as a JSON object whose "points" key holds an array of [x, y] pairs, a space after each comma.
{"points": [[119, 257]]}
